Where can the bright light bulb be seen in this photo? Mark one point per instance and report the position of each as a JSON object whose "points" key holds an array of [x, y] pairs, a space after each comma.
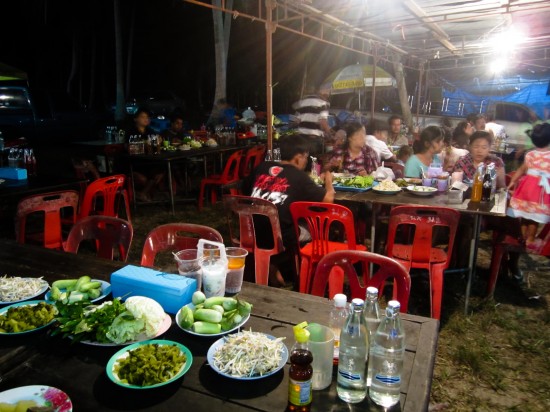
{"points": [[498, 66], [507, 41]]}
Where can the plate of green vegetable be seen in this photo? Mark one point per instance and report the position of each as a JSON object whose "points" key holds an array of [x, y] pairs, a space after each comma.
{"points": [[26, 317], [215, 316], [75, 290], [149, 364]]}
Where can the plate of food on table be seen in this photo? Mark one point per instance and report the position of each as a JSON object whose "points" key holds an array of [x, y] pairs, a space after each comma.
{"points": [[421, 190], [76, 290], [112, 323], [349, 183], [386, 187], [15, 289], [35, 398], [26, 317], [149, 364], [214, 316], [247, 355]]}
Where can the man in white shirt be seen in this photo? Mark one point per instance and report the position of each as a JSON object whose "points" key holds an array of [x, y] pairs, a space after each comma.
{"points": [[377, 133]]}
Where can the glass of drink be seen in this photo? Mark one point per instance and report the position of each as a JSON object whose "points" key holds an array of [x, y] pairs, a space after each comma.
{"points": [[188, 265], [236, 257], [214, 267], [321, 345]]}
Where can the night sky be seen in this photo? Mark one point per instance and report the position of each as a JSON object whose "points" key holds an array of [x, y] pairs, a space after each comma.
{"points": [[172, 49]]}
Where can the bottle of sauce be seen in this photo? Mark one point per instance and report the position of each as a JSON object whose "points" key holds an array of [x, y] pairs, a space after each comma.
{"points": [[477, 186], [301, 372]]}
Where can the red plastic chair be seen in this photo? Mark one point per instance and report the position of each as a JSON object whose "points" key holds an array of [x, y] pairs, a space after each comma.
{"points": [[110, 190], [175, 236], [85, 169], [246, 208], [253, 158], [108, 234], [229, 176], [511, 244], [320, 219], [332, 267], [421, 253], [51, 205]]}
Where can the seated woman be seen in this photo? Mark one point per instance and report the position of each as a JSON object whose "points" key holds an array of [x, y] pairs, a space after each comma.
{"points": [[450, 154], [426, 151], [480, 146], [354, 156], [461, 135], [147, 179]]}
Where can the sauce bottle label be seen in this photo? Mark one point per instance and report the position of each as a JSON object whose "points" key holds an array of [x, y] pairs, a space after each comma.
{"points": [[299, 392]]}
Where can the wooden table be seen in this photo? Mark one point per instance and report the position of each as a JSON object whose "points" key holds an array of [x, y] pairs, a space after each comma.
{"points": [[177, 156], [497, 207], [37, 184], [79, 370]]}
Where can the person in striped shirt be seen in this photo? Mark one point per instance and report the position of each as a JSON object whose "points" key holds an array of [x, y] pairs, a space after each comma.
{"points": [[312, 117]]}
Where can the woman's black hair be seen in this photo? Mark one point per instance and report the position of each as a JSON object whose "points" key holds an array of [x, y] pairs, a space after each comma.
{"points": [[540, 135], [141, 110], [481, 134], [351, 129], [429, 134], [460, 129]]}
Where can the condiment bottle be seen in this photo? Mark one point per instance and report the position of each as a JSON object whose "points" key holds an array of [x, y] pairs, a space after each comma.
{"points": [[487, 186], [477, 186], [301, 372], [371, 313]]}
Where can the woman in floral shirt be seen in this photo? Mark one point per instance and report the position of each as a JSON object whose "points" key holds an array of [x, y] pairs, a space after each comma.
{"points": [[354, 157], [480, 147]]}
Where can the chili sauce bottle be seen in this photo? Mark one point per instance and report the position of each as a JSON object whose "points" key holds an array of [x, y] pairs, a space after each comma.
{"points": [[301, 372]]}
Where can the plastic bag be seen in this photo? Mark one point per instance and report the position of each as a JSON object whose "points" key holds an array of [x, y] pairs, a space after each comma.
{"points": [[383, 173]]}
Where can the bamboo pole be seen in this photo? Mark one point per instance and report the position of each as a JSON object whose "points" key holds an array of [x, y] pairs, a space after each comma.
{"points": [[269, 70]]}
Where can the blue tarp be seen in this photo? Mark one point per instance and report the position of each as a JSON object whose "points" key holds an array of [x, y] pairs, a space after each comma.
{"points": [[533, 96]]}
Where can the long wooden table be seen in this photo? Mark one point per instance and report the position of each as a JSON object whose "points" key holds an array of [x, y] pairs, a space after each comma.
{"points": [[79, 369], [496, 207], [177, 156]]}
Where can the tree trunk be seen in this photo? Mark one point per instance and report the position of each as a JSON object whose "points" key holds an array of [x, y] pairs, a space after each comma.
{"points": [[402, 90], [222, 31], [120, 112]]}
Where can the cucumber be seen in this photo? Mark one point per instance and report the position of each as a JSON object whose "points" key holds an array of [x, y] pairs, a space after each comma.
{"points": [[64, 284], [186, 318], [218, 308], [198, 298], [94, 293], [229, 304], [206, 328], [55, 294], [82, 281], [208, 315], [218, 300], [86, 287]]}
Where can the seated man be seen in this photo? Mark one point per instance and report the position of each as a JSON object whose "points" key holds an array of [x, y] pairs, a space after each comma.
{"points": [[285, 182], [377, 134], [175, 133]]}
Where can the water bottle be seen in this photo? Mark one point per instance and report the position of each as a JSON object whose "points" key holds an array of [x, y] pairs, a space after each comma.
{"points": [[352, 383], [372, 321], [268, 156], [1, 142], [337, 319], [386, 356]]}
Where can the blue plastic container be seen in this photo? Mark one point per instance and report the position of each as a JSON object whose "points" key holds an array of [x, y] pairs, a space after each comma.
{"points": [[170, 290]]}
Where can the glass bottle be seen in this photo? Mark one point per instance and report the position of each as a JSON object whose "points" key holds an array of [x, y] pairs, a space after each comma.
{"points": [[301, 372], [351, 381], [477, 186], [338, 316], [487, 186], [386, 356], [372, 321]]}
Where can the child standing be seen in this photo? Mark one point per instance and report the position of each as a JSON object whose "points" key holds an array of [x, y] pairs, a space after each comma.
{"points": [[531, 199]]}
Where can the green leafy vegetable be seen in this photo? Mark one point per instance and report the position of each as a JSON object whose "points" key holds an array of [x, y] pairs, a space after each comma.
{"points": [[358, 181]]}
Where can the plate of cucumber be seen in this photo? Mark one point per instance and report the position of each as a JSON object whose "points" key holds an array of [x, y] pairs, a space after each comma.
{"points": [[76, 290], [215, 316]]}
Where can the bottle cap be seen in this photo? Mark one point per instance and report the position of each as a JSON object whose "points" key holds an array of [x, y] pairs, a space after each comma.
{"points": [[358, 303], [301, 334], [340, 300], [372, 293], [393, 306]]}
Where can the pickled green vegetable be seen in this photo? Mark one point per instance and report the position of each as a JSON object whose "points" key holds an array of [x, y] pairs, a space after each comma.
{"points": [[150, 364], [24, 318]]}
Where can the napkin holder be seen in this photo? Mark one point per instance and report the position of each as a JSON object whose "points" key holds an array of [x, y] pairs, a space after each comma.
{"points": [[171, 291]]}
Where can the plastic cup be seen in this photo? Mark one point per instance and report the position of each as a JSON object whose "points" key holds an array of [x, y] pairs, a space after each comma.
{"points": [[442, 184], [189, 265], [321, 345], [236, 257], [429, 182], [213, 278]]}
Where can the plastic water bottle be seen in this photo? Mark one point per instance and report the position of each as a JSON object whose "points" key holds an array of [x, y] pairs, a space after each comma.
{"points": [[352, 383], [386, 356], [337, 319], [372, 321]]}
